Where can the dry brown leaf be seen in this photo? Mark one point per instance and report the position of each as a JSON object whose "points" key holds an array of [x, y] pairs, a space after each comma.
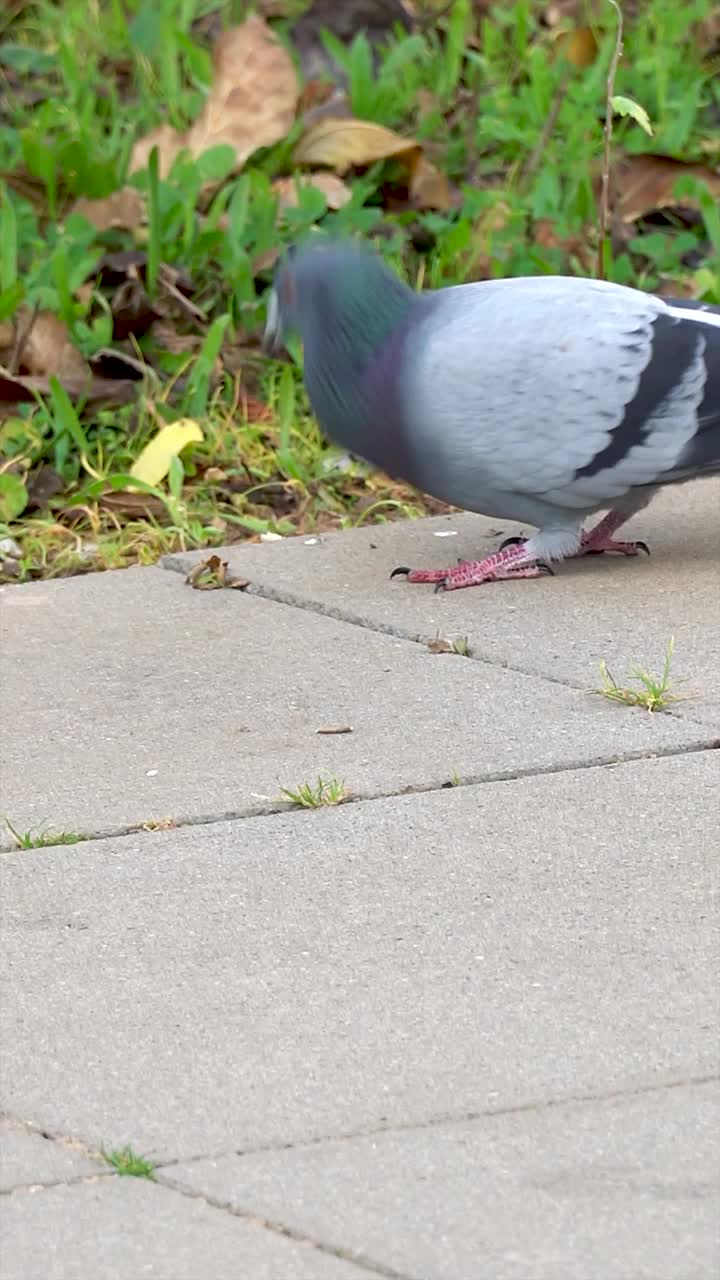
{"points": [[250, 105], [138, 506], [314, 94], [124, 209], [439, 645], [255, 411], [545, 234], [644, 183], [264, 261], [430, 187], [110, 391], [212, 575], [169, 143], [579, 46], [342, 144], [47, 349], [333, 188]]}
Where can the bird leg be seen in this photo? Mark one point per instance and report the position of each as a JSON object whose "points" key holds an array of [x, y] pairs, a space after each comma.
{"points": [[600, 538], [513, 562], [595, 541]]}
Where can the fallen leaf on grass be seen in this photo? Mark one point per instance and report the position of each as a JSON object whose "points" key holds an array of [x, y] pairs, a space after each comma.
{"points": [[578, 46], [108, 391], [335, 191], [251, 103], [46, 349], [212, 575], [136, 506], [643, 183], [343, 144], [124, 209], [546, 235], [429, 187], [153, 464]]}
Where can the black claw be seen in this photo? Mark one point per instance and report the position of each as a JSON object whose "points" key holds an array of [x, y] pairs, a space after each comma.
{"points": [[644, 547], [511, 542], [542, 565], [401, 569], [439, 586]]}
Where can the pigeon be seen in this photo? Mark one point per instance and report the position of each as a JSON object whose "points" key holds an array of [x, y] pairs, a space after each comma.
{"points": [[541, 399]]}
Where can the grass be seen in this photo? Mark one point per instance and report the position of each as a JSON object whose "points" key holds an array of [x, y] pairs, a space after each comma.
{"points": [[128, 1164], [43, 839], [308, 795], [513, 124], [654, 693]]}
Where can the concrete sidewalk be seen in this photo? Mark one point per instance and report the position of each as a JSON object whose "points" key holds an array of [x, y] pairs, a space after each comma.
{"points": [[464, 1027]]}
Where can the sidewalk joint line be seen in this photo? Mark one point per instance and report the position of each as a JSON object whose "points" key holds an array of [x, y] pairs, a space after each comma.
{"points": [[171, 564], [359, 1260], [450, 1118], [420, 788]]}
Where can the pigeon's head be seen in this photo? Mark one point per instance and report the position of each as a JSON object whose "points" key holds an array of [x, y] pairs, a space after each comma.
{"points": [[310, 280]]}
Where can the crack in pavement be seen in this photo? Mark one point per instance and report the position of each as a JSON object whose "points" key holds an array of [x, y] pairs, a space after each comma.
{"points": [[401, 1126], [359, 1260], [412, 789], [173, 564], [33, 1188], [451, 1118]]}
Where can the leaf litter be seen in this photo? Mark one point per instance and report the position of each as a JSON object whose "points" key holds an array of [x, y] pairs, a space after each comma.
{"points": [[304, 135]]}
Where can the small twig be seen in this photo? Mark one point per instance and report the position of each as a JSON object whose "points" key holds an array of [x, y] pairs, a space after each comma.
{"points": [[605, 189]]}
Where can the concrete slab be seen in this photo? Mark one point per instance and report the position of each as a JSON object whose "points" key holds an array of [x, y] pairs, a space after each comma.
{"points": [[622, 611], [136, 699], [28, 1158], [122, 1229], [627, 1189], [284, 978]]}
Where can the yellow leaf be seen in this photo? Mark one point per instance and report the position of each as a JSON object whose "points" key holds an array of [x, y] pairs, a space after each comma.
{"points": [[153, 463], [340, 144]]}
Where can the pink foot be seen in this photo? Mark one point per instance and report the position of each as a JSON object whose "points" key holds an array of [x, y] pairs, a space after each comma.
{"points": [[594, 543], [510, 563]]}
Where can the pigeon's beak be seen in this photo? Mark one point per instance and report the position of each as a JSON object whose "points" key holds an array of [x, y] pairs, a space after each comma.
{"points": [[272, 339]]}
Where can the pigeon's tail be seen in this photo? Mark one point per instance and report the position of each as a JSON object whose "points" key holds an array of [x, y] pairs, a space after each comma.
{"points": [[702, 453]]}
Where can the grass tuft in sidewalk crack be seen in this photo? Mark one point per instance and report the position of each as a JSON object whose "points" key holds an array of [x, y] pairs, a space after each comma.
{"points": [[326, 791], [43, 839], [654, 693], [127, 1164]]}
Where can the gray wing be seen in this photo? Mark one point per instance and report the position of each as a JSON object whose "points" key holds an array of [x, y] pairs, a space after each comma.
{"points": [[569, 391]]}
